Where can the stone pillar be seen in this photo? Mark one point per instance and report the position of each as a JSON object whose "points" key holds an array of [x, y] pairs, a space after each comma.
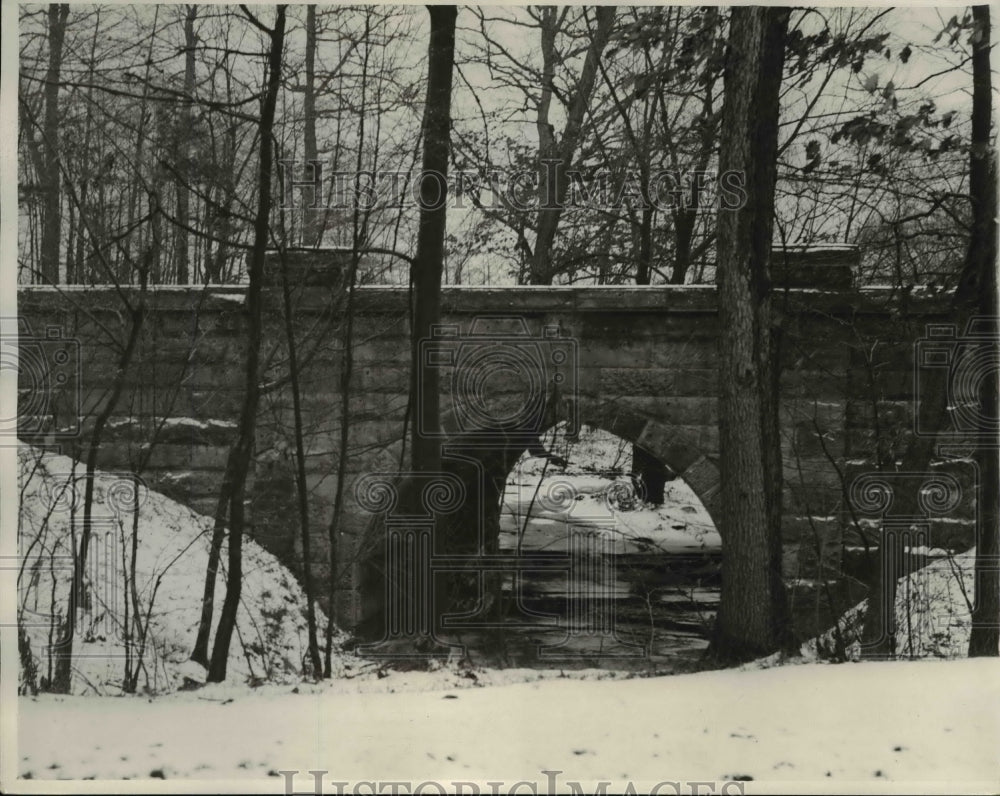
{"points": [[831, 266]]}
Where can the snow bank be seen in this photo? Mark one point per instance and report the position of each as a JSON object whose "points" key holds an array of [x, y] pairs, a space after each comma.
{"points": [[933, 613], [171, 545]]}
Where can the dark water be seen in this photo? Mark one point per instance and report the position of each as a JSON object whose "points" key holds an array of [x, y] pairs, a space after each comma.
{"points": [[644, 612]]}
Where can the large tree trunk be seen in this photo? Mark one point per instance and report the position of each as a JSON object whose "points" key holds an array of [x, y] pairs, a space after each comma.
{"points": [[752, 618], [428, 265], [985, 638], [241, 453], [429, 262], [52, 202]]}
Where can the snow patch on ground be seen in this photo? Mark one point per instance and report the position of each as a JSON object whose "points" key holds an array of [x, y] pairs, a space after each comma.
{"points": [[171, 554]]}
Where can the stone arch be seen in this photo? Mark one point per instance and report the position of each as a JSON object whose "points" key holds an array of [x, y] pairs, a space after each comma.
{"points": [[675, 446], [484, 459]]}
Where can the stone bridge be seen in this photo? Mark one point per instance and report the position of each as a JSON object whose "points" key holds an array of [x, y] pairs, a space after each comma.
{"points": [[640, 362]]}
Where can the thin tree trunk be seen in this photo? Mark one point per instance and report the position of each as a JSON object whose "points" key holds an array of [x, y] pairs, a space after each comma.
{"points": [[312, 229], [199, 653], [752, 618], [651, 469], [346, 374], [216, 265], [974, 296], [686, 216], [63, 678], [75, 272], [684, 219], [302, 488], [358, 236], [51, 215], [241, 453], [71, 270], [556, 159], [184, 149]]}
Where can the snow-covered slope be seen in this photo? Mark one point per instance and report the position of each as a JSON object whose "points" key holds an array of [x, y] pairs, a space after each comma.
{"points": [[171, 554], [933, 613]]}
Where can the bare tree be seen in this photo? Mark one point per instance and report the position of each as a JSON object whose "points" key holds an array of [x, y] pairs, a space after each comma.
{"points": [[52, 217], [428, 264], [556, 88], [982, 257], [184, 147], [312, 232], [241, 452], [752, 618], [556, 155], [973, 297]]}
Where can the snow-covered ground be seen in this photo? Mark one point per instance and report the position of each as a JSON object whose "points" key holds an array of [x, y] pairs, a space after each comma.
{"points": [[811, 727], [773, 725]]}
